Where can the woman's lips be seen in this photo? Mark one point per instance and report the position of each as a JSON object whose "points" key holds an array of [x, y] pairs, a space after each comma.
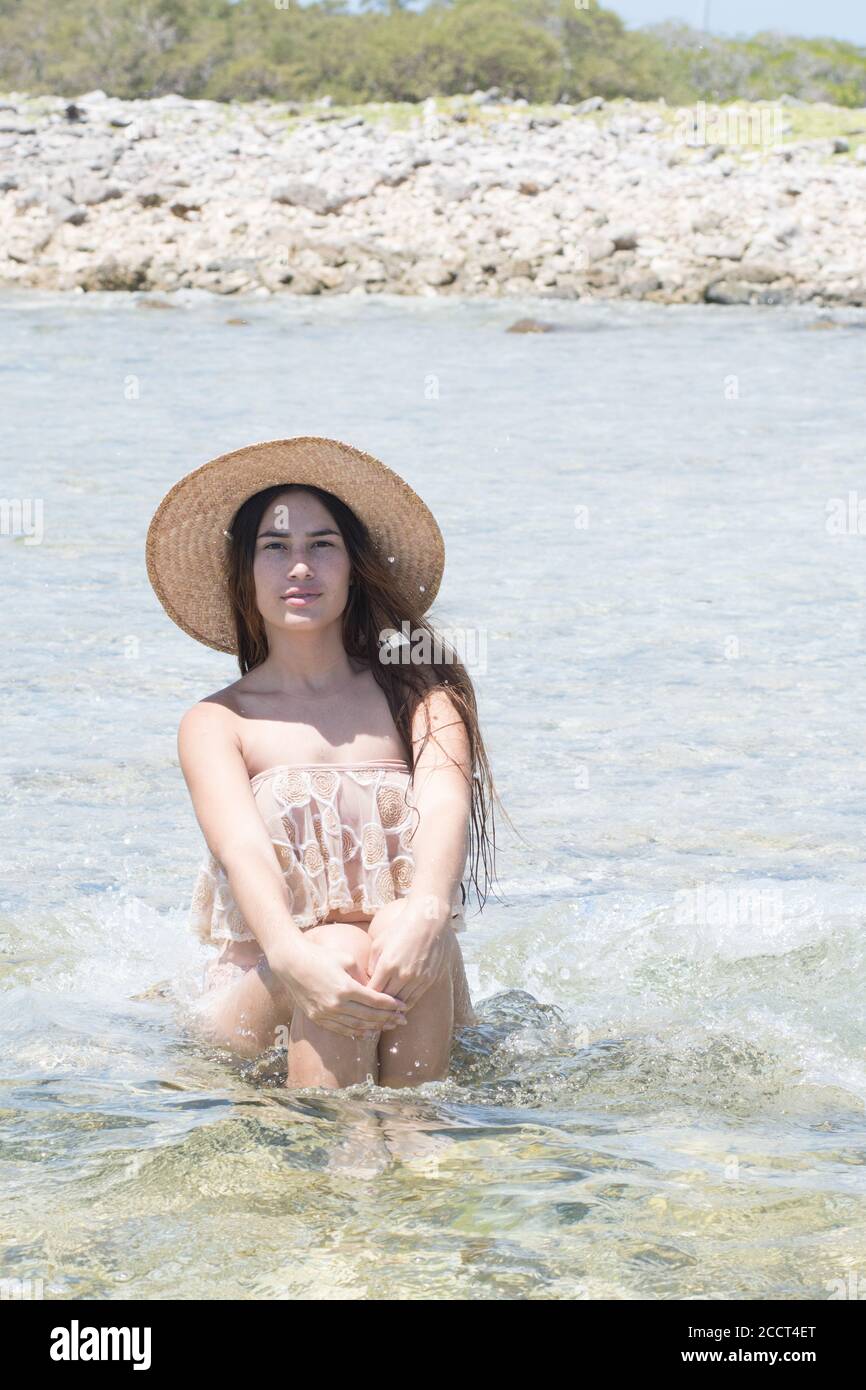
{"points": [[301, 600]]}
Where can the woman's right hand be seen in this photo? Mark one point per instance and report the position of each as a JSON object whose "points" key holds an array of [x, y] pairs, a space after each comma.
{"points": [[321, 983]]}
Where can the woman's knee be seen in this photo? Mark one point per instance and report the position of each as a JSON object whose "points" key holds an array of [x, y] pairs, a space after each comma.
{"points": [[348, 943]]}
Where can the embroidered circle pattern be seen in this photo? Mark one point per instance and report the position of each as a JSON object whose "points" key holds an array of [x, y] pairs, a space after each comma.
{"points": [[341, 837]]}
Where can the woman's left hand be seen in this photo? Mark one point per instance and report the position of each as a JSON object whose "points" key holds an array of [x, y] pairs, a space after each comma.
{"points": [[410, 955]]}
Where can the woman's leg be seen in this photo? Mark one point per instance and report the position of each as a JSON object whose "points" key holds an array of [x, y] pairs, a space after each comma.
{"points": [[421, 1049], [244, 1008], [318, 1056], [464, 1013], [252, 1012], [388, 917]]}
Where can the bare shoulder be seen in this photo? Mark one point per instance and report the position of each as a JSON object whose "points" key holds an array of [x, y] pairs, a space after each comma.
{"points": [[439, 733], [221, 705], [435, 708], [208, 726], [211, 758], [227, 698]]}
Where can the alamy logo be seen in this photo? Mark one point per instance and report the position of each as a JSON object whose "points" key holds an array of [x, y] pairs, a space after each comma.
{"points": [[22, 1288], [101, 1344]]}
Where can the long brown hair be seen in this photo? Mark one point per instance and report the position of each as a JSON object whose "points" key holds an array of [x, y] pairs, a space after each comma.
{"points": [[375, 606]]}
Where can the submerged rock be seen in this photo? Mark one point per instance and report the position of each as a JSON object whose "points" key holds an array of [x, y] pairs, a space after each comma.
{"points": [[530, 326]]}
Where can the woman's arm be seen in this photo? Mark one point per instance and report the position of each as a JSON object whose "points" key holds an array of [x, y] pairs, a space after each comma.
{"points": [[405, 962], [219, 785], [442, 789], [215, 772]]}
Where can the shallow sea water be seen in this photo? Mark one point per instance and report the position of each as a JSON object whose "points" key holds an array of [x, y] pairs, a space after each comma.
{"points": [[664, 1097]]}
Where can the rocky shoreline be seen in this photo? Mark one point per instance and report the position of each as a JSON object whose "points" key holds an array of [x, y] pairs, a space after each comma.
{"points": [[473, 197]]}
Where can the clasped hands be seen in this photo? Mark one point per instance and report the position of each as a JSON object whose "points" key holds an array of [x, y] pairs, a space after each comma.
{"points": [[408, 957]]}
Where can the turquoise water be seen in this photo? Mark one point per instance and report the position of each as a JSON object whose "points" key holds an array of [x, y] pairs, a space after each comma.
{"points": [[665, 1096]]}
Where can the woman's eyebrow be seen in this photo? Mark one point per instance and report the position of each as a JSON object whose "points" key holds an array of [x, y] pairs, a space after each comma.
{"points": [[325, 531]]}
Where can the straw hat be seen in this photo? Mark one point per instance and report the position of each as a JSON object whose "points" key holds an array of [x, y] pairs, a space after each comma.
{"points": [[188, 543]]}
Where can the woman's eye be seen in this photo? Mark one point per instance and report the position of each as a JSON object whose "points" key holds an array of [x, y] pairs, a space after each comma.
{"points": [[271, 544]]}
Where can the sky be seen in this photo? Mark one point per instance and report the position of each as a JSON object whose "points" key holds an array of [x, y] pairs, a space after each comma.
{"points": [[835, 19]]}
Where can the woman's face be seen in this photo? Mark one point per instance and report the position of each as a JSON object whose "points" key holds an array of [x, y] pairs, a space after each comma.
{"points": [[299, 547]]}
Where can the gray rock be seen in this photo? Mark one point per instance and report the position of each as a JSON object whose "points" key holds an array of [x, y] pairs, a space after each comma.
{"points": [[181, 205], [598, 248], [142, 130], [643, 285], [710, 153], [91, 191], [566, 287], [625, 125], [30, 198], [777, 295], [437, 272], [727, 292], [25, 247], [724, 250], [232, 264], [306, 195], [396, 174], [171, 101], [113, 274], [760, 272], [360, 187], [819, 145], [452, 190], [63, 209], [705, 222], [591, 104]]}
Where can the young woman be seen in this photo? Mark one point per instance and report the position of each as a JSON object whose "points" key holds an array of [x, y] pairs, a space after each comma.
{"points": [[340, 782]]}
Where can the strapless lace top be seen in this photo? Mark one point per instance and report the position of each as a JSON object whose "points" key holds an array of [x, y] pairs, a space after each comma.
{"points": [[340, 832]]}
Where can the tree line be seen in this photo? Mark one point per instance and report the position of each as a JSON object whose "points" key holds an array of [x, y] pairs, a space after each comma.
{"points": [[542, 50]]}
